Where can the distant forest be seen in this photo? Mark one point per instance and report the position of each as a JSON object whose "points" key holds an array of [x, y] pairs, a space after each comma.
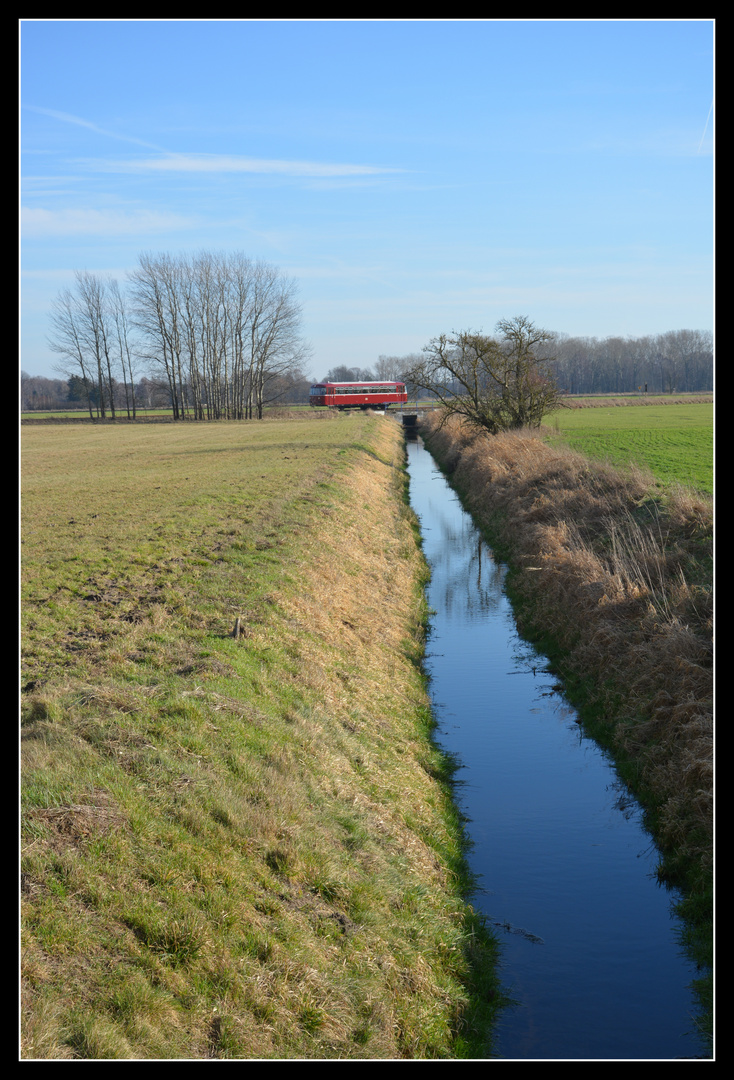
{"points": [[676, 362]]}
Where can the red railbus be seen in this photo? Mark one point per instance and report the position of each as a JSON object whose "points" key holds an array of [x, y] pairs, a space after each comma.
{"points": [[358, 395]]}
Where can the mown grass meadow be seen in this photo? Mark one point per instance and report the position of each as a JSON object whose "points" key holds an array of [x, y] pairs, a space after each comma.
{"points": [[674, 441], [234, 846]]}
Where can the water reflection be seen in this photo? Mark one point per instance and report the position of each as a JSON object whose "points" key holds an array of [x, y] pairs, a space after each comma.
{"points": [[470, 586], [566, 870]]}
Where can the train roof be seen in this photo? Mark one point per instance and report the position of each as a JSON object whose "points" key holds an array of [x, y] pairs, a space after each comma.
{"points": [[376, 382]]}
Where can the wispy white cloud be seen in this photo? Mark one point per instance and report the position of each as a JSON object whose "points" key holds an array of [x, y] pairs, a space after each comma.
{"points": [[209, 163], [232, 163], [46, 223]]}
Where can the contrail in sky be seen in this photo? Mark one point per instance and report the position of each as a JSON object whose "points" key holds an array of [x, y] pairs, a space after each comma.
{"points": [[705, 128], [67, 118], [215, 162]]}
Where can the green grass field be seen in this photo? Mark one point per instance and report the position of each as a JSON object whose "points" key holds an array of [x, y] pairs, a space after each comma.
{"points": [[675, 442], [234, 847]]}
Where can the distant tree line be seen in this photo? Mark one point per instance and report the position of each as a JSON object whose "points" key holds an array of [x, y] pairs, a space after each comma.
{"points": [[217, 336], [678, 361], [38, 393], [387, 369]]}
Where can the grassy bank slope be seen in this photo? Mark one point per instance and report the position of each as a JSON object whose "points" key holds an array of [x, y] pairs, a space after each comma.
{"points": [[234, 847], [613, 580]]}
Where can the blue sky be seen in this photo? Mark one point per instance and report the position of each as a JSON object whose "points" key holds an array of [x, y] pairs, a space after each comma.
{"points": [[414, 177]]}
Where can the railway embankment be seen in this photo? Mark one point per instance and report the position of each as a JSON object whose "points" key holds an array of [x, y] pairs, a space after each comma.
{"points": [[613, 581]]}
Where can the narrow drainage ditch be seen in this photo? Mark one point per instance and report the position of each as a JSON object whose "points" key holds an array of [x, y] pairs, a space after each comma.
{"points": [[590, 942]]}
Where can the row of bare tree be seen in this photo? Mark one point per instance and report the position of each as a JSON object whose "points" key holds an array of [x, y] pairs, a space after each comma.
{"points": [[222, 331], [678, 361]]}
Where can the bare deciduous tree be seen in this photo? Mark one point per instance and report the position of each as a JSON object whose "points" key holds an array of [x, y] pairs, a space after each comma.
{"points": [[223, 329], [67, 340], [79, 333], [156, 301], [344, 373], [90, 332], [391, 368], [493, 383], [121, 326]]}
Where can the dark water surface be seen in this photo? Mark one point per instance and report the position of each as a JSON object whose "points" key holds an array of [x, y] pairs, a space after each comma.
{"points": [[565, 868]]}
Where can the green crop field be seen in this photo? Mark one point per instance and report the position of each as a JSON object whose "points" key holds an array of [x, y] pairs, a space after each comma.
{"points": [[675, 442]]}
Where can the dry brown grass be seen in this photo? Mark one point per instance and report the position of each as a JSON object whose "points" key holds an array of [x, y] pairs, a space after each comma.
{"points": [[619, 581]]}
